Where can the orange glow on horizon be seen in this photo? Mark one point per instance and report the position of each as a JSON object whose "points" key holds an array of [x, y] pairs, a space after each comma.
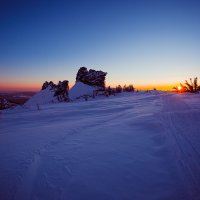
{"points": [[162, 87], [19, 87], [37, 86]]}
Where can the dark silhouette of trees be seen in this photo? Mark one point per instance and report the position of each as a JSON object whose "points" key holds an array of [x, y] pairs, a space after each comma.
{"points": [[190, 86], [124, 88], [118, 89], [129, 88]]}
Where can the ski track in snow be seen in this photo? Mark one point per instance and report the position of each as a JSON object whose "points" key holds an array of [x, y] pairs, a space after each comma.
{"points": [[180, 122], [141, 147]]}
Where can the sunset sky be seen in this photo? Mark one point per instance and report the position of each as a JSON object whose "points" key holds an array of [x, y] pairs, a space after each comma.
{"points": [[152, 43]]}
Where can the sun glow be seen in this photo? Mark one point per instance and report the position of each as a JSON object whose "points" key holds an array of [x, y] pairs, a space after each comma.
{"points": [[179, 88]]}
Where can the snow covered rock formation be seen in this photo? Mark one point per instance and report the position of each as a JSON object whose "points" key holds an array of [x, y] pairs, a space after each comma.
{"points": [[87, 83], [91, 77], [50, 93]]}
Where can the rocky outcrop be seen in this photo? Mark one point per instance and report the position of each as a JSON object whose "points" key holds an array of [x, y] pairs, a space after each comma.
{"points": [[91, 77], [87, 83], [48, 84], [60, 90], [50, 93]]}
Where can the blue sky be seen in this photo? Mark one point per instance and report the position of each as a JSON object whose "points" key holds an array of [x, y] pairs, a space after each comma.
{"points": [[144, 42]]}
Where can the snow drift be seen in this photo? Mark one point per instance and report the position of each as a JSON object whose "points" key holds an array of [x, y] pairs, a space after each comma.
{"points": [[45, 96], [80, 89]]}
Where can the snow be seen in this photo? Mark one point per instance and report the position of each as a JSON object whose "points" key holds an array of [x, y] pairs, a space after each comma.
{"points": [[45, 96], [141, 146], [80, 89]]}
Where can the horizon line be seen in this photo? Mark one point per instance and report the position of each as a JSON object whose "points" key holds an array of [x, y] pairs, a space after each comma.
{"points": [[163, 87]]}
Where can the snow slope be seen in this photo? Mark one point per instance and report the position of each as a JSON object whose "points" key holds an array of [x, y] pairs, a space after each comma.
{"points": [[42, 97], [80, 89], [139, 146]]}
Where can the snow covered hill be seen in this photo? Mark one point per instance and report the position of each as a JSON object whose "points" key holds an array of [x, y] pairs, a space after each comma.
{"points": [[135, 146]]}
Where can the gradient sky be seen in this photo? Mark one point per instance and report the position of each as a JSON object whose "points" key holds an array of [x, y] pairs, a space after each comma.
{"points": [[147, 43]]}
